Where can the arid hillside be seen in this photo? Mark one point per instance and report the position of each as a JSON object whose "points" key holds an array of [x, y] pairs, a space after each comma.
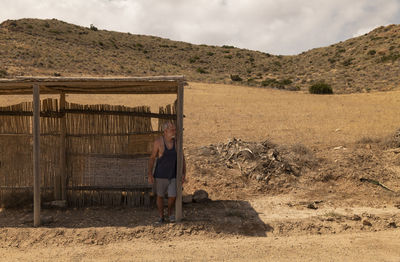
{"points": [[52, 47]]}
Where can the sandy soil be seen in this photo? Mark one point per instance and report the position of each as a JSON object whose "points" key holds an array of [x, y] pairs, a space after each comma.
{"points": [[323, 213], [378, 246]]}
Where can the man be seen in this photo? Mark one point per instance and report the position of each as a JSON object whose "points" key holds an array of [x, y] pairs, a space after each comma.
{"points": [[164, 149]]}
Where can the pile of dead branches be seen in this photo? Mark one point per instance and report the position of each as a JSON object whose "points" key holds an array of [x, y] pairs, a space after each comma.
{"points": [[259, 160]]}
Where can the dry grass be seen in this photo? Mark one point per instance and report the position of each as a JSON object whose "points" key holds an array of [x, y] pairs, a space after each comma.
{"points": [[216, 112]]}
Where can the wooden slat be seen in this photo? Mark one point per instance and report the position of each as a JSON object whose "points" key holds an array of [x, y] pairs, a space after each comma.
{"points": [[63, 150], [36, 155], [179, 149]]}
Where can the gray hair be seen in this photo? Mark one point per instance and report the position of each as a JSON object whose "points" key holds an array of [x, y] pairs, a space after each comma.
{"points": [[167, 124]]}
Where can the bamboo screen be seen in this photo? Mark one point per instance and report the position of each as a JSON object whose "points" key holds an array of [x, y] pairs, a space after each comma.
{"points": [[107, 150]]}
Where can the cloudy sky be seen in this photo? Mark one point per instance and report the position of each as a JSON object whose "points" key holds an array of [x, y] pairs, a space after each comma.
{"points": [[274, 26]]}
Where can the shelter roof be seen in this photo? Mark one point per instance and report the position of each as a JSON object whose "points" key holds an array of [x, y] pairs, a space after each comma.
{"points": [[93, 85]]}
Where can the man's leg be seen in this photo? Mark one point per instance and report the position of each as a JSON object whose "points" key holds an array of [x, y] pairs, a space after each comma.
{"points": [[171, 205], [160, 206], [171, 199], [161, 186]]}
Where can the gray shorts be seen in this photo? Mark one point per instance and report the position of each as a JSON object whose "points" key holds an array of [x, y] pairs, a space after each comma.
{"points": [[165, 185]]}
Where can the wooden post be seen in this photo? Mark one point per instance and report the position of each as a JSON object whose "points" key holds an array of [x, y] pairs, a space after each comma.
{"points": [[63, 160], [179, 150], [36, 155]]}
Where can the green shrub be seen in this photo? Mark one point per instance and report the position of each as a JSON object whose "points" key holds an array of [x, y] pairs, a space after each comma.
{"points": [[194, 59], [371, 52], [340, 50], [269, 82], [293, 88], [320, 88], [286, 82], [391, 57], [210, 53], [277, 63], [228, 46], [93, 28], [3, 73], [272, 82], [347, 62], [201, 70], [236, 78], [228, 56]]}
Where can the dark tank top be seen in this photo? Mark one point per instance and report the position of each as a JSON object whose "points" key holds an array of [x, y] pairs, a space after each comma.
{"points": [[166, 164]]}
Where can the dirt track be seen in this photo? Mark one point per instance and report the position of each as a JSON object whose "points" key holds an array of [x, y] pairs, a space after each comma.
{"points": [[378, 246]]}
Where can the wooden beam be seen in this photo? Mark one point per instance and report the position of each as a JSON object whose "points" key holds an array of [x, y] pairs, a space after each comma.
{"points": [[179, 149], [92, 90], [36, 155], [93, 85], [144, 187], [88, 112], [63, 156], [90, 79]]}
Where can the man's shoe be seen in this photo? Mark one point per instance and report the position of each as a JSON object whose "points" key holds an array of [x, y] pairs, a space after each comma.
{"points": [[172, 219], [160, 221]]}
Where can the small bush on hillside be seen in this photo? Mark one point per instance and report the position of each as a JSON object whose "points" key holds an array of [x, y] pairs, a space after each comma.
{"points": [[340, 50], [201, 70], [331, 60], [3, 73], [293, 88], [347, 62], [320, 88], [269, 82], [93, 28], [286, 82], [236, 78], [228, 46], [371, 52], [228, 56], [391, 57], [277, 63], [194, 59], [280, 84], [210, 53]]}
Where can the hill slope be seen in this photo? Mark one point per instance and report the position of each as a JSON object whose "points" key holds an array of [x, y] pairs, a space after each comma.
{"points": [[53, 47]]}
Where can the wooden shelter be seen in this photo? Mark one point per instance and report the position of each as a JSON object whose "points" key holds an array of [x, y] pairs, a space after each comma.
{"points": [[76, 146]]}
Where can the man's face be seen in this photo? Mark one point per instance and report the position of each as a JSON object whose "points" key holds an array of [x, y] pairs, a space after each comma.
{"points": [[170, 132]]}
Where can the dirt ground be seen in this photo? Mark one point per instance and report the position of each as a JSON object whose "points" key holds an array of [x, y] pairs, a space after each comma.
{"points": [[317, 200]]}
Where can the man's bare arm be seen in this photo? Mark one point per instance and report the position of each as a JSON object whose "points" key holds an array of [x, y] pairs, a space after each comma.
{"points": [[152, 159]]}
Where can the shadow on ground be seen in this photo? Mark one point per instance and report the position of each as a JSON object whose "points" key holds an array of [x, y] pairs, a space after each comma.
{"points": [[232, 217]]}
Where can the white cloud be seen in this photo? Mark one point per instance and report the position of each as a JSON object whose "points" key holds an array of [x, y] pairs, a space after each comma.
{"points": [[279, 27]]}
